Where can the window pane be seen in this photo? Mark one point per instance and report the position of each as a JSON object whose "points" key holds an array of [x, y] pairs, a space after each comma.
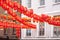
{"points": [[5, 32], [29, 3], [57, 1], [28, 32], [14, 31], [41, 29], [42, 2], [56, 31]]}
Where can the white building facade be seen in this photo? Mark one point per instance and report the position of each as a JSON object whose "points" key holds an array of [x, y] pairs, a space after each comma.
{"points": [[43, 30]]}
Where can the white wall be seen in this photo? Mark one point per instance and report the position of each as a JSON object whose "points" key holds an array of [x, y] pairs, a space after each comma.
{"points": [[49, 8]]}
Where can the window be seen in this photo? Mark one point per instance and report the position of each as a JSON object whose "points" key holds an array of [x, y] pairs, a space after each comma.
{"points": [[57, 1], [29, 3], [41, 29], [56, 31], [14, 31], [42, 2], [5, 31], [20, 1], [28, 32]]}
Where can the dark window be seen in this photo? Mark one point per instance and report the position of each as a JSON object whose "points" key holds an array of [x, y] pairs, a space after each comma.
{"points": [[57, 1], [5, 32], [41, 29], [14, 31], [56, 31], [42, 2], [28, 32], [29, 3]]}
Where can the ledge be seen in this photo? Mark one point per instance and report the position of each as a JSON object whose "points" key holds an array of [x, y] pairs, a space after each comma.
{"points": [[56, 3], [43, 6]]}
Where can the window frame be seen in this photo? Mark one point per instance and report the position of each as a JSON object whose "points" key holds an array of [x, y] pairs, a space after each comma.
{"points": [[56, 1], [41, 4], [29, 3], [27, 32], [56, 30], [41, 30]]}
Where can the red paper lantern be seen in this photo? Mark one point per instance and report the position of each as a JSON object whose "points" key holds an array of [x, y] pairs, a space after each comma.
{"points": [[11, 4], [25, 10], [44, 17], [58, 23], [28, 14], [31, 11], [4, 6], [7, 8], [21, 9], [37, 17], [12, 13]]}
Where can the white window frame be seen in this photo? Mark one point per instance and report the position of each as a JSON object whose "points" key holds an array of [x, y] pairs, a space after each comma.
{"points": [[28, 31], [57, 1], [41, 3], [56, 32], [40, 24], [29, 3]]}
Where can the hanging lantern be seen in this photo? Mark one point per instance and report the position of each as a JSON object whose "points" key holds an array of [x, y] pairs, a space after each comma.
{"points": [[25, 10], [37, 17], [4, 16], [11, 4], [31, 11], [28, 14], [21, 9], [58, 23], [12, 13], [15, 5], [7, 8], [4, 6], [44, 17]]}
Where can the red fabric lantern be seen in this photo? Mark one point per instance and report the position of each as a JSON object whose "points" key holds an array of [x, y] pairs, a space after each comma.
{"points": [[15, 5], [45, 16], [25, 10], [12, 13], [58, 23], [4, 6], [11, 4], [1, 23], [37, 17], [28, 14], [18, 32], [7, 8], [4, 16], [31, 11], [21, 9]]}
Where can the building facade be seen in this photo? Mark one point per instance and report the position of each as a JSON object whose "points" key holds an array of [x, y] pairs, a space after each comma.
{"points": [[44, 30]]}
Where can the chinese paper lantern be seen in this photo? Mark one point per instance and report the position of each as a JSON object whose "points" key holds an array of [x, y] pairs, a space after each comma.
{"points": [[4, 16], [18, 34], [58, 23], [1, 2], [37, 17], [4, 6], [7, 8], [47, 19], [31, 11], [15, 5], [21, 9], [28, 14], [1, 23], [11, 4], [12, 13], [25, 10], [44, 17]]}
